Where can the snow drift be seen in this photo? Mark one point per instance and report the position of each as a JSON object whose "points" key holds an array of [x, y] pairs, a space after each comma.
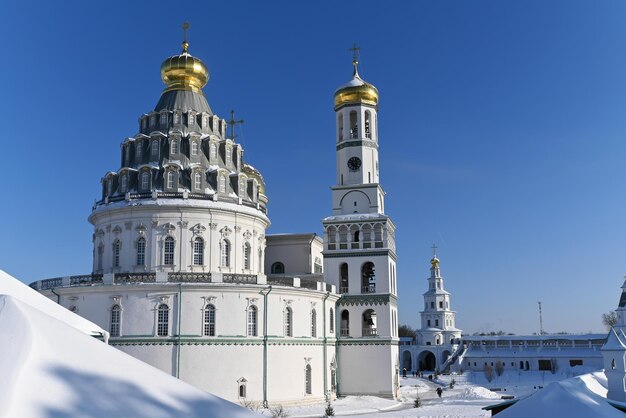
{"points": [[579, 397], [50, 369]]}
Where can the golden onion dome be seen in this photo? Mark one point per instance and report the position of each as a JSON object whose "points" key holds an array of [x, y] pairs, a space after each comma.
{"points": [[256, 174], [356, 91], [435, 262], [184, 72]]}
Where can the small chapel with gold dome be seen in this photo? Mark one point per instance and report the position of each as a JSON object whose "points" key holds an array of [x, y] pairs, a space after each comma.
{"points": [[186, 279]]}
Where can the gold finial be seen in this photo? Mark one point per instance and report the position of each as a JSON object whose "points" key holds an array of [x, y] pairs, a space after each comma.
{"points": [[355, 58], [185, 43], [434, 261]]}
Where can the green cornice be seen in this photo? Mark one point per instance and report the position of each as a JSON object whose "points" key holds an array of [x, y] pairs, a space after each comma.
{"points": [[367, 299], [360, 253], [364, 143]]}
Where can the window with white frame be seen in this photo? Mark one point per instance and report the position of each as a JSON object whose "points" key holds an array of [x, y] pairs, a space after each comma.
{"points": [[117, 245], [209, 321], [288, 322], [145, 180], [308, 380], [152, 120], [141, 252], [170, 179], [116, 320], [313, 323], [246, 256], [154, 151], [252, 319], [168, 251], [124, 183], [194, 147], [225, 253], [198, 251], [222, 188], [126, 154], [229, 155], [174, 146], [138, 151], [100, 255], [163, 118], [163, 320], [213, 152], [197, 181]]}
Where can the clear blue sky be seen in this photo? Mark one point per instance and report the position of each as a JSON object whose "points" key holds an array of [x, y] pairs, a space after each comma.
{"points": [[502, 128]]}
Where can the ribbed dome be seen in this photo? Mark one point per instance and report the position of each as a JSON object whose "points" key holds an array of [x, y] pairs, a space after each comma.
{"points": [[356, 91], [184, 72]]}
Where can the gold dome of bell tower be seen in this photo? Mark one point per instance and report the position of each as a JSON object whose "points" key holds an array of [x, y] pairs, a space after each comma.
{"points": [[357, 90], [184, 71]]}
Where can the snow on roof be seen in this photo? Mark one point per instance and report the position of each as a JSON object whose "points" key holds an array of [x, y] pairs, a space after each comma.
{"points": [[579, 397], [9, 285], [51, 369], [570, 337], [615, 341]]}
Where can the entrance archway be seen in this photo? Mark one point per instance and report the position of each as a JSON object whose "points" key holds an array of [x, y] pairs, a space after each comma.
{"points": [[427, 361], [406, 360]]}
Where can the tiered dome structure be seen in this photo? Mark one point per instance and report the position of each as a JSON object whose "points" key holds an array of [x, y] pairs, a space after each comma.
{"points": [[181, 162]]}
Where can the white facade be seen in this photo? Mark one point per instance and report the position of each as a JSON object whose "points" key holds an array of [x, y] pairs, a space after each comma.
{"points": [[614, 353], [438, 339]]}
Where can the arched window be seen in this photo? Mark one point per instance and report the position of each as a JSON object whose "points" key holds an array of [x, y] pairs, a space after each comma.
{"points": [[252, 321], [100, 255], [344, 329], [209, 321], [154, 151], [213, 152], [246, 256], [198, 251], [163, 320], [343, 278], [225, 253], [368, 278], [368, 132], [307, 380], [174, 146], [278, 268], [229, 155], [194, 147], [331, 320], [116, 320], [141, 252], [313, 323], [170, 179], [168, 251], [124, 183], [163, 119], [117, 245], [369, 323], [197, 181], [222, 185], [340, 126], [288, 322], [357, 235], [138, 151], [242, 390], [145, 181], [354, 127]]}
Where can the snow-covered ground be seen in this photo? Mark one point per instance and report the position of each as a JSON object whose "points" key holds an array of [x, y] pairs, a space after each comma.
{"points": [[463, 401]]}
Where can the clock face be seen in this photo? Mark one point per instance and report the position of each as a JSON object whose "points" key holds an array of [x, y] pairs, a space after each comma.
{"points": [[354, 163]]}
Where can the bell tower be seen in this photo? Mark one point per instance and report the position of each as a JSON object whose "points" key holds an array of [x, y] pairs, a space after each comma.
{"points": [[360, 251]]}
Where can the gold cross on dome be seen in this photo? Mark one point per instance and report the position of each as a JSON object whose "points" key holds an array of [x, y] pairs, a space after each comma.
{"points": [[185, 29]]}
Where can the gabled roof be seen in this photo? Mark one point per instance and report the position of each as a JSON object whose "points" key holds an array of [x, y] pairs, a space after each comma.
{"points": [[615, 341]]}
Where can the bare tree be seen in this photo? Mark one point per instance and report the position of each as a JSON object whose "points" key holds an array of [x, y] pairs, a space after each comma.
{"points": [[609, 319], [499, 367], [488, 372], [406, 331]]}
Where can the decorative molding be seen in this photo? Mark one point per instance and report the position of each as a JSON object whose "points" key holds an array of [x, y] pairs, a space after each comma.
{"points": [[225, 231], [198, 229], [117, 229], [183, 224], [363, 143], [247, 235], [364, 300], [237, 228], [212, 225], [169, 227], [155, 224]]}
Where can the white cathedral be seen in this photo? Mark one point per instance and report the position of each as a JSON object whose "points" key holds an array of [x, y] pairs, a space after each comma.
{"points": [[186, 279]]}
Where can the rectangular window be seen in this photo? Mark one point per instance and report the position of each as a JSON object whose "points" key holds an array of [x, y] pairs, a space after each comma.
{"points": [[575, 362], [197, 182], [163, 321], [429, 322], [141, 252], [209, 321], [441, 305], [194, 148], [168, 253], [145, 181], [432, 305], [154, 152], [436, 322]]}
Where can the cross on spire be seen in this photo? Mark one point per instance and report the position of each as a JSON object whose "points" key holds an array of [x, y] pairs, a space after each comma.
{"points": [[232, 124], [434, 247], [185, 29], [355, 58]]}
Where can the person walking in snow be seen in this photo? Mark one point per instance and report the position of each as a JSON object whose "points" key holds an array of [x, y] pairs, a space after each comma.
{"points": [[439, 391]]}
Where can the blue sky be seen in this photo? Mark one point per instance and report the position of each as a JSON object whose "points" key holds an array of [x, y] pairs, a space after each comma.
{"points": [[501, 133]]}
